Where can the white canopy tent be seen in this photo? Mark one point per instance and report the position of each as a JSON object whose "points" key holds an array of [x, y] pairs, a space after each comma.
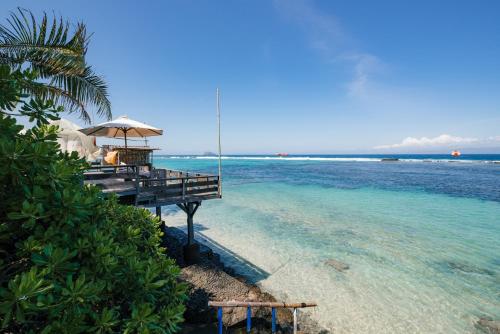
{"points": [[71, 139]]}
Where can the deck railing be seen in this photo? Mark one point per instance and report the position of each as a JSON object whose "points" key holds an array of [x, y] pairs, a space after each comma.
{"points": [[249, 305], [158, 185]]}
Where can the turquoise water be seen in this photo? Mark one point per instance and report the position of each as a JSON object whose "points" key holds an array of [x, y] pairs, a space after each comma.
{"points": [[421, 236]]}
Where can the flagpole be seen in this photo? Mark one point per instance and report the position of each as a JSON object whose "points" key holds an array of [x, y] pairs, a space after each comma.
{"points": [[219, 145]]}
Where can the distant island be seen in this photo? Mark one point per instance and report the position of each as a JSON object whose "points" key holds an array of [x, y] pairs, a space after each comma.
{"points": [[209, 154]]}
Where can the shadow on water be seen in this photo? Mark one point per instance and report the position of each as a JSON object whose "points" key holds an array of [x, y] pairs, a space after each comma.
{"points": [[200, 228], [243, 267]]}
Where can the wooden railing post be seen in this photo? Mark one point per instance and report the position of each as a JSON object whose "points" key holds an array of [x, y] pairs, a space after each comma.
{"points": [[183, 180], [219, 189], [137, 186]]}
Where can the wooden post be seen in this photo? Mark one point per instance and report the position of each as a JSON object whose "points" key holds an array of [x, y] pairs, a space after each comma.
{"points": [[158, 214], [190, 227], [191, 249], [137, 183], [183, 180], [190, 209], [126, 153]]}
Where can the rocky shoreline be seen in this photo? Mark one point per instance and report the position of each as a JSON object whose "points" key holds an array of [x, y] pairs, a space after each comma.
{"points": [[210, 279]]}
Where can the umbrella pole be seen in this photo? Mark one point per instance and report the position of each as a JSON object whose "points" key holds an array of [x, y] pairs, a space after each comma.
{"points": [[126, 153]]}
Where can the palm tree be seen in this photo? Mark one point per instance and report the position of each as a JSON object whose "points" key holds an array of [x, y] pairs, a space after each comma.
{"points": [[57, 56]]}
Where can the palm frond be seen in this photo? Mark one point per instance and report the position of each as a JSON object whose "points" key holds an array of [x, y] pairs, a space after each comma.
{"points": [[57, 55], [87, 88], [47, 47], [47, 91]]}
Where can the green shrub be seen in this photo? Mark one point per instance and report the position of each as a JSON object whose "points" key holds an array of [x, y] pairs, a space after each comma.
{"points": [[72, 261]]}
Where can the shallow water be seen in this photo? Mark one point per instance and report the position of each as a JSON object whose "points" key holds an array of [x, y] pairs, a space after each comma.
{"points": [[422, 239]]}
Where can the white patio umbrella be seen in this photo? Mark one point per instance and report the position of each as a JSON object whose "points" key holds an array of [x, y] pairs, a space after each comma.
{"points": [[122, 127]]}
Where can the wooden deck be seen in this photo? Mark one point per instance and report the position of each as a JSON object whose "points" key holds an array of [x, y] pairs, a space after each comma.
{"points": [[158, 187], [144, 186]]}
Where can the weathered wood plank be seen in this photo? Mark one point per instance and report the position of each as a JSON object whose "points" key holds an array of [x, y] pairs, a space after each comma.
{"points": [[202, 191], [234, 303], [174, 192], [177, 186]]}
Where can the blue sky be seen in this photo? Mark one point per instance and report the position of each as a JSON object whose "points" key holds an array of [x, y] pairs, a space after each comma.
{"points": [[299, 76]]}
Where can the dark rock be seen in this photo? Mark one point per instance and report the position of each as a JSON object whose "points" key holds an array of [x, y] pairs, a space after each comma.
{"points": [[469, 268], [209, 279], [339, 266], [488, 326], [197, 310], [345, 233], [198, 328], [218, 285]]}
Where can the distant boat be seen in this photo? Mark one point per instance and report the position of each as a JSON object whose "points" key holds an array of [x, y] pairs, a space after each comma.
{"points": [[282, 154], [456, 154]]}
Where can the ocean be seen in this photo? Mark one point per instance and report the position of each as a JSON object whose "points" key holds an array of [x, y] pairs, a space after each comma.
{"points": [[421, 235]]}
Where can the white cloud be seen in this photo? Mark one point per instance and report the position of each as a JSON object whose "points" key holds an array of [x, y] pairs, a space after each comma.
{"points": [[323, 30], [494, 138], [439, 141], [364, 66], [327, 36]]}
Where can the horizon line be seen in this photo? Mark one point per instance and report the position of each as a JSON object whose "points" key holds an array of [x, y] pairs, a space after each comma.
{"points": [[317, 154]]}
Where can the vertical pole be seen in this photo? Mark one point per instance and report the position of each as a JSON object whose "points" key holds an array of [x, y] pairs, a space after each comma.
{"points": [[125, 134], [191, 248], [249, 319], [219, 145], [219, 317], [126, 153], [137, 183], [294, 321], [190, 223], [158, 212], [273, 321], [183, 181]]}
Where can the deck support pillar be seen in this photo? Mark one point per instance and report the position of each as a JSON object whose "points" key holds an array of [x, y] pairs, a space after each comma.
{"points": [[191, 249], [158, 214]]}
